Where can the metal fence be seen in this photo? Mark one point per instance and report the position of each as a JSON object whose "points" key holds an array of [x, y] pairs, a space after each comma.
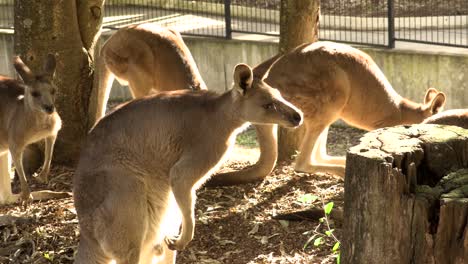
{"points": [[358, 21], [370, 22], [432, 21], [199, 18]]}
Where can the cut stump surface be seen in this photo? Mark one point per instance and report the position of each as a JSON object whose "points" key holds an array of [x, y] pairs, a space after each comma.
{"points": [[406, 196]]}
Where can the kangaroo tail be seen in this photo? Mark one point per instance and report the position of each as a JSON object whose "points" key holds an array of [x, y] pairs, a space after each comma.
{"points": [[103, 79]]}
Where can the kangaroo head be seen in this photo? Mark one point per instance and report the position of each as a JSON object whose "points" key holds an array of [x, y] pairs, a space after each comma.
{"points": [[39, 91], [434, 102], [260, 103]]}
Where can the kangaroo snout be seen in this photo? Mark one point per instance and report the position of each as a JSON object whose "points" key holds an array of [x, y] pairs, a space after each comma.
{"points": [[49, 109], [292, 114], [296, 119]]}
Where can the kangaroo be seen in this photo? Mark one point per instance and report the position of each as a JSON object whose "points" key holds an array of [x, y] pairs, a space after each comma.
{"points": [[328, 81], [453, 117], [27, 115], [143, 162], [149, 59]]}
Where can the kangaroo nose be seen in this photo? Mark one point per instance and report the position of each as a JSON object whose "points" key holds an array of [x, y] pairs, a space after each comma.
{"points": [[296, 118], [49, 109]]}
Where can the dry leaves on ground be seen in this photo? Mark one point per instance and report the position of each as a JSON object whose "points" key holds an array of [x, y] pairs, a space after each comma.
{"points": [[234, 224]]}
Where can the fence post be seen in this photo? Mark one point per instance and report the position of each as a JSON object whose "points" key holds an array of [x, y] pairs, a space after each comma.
{"points": [[227, 17], [391, 24]]}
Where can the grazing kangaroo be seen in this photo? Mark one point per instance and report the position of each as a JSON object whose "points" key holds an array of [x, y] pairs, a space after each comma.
{"points": [[27, 115], [148, 58], [328, 81], [453, 117], [144, 161]]}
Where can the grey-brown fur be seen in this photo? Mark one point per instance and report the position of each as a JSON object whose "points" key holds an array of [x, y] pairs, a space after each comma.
{"points": [[148, 59], [144, 161], [27, 115], [453, 117], [330, 81]]}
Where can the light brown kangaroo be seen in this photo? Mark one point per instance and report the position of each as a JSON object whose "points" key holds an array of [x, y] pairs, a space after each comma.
{"points": [[144, 161], [149, 59], [453, 117], [27, 115], [328, 81]]}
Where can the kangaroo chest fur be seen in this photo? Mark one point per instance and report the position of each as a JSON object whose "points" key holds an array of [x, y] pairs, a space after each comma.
{"points": [[30, 127], [19, 122], [47, 125]]}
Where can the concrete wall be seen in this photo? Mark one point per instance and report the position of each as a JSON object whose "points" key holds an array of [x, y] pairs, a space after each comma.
{"points": [[216, 58], [410, 72], [6, 54]]}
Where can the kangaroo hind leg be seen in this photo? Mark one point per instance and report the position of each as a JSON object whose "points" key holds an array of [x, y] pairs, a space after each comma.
{"points": [[310, 159], [89, 252], [140, 85], [121, 222], [319, 153]]}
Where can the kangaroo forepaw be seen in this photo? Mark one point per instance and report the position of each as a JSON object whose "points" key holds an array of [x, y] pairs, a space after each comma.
{"points": [[42, 177], [25, 199], [158, 250], [175, 243]]}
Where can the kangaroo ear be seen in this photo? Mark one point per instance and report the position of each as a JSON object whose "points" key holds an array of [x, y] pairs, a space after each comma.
{"points": [[49, 65], [23, 70], [243, 77], [430, 94], [437, 103]]}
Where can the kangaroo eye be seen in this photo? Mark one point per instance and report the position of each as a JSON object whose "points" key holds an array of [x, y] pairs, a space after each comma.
{"points": [[53, 92], [269, 106], [35, 94]]}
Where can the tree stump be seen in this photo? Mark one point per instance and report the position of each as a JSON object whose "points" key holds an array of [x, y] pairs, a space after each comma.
{"points": [[406, 196]]}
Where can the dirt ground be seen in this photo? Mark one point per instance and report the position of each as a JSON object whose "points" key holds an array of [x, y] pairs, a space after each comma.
{"points": [[234, 224]]}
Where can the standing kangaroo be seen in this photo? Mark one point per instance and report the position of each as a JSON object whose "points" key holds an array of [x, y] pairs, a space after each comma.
{"points": [[453, 117], [148, 58], [144, 161], [328, 81], [27, 115]]}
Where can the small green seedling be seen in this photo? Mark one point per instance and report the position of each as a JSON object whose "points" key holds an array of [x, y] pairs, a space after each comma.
{"points": [[319, 237]]}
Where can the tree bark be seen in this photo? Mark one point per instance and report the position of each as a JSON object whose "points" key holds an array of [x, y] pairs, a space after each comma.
{"points": [[406, 196], [299, 21], [67, 29]]}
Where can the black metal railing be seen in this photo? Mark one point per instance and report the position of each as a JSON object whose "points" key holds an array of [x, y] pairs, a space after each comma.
{"points": [[265, 13], [369, 22], [358, 21], [431, 21], [199, 18]]}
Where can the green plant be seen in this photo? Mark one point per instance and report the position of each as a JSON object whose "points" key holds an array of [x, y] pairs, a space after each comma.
{"points": [[318, 237], [247, 138], [49, 257]]}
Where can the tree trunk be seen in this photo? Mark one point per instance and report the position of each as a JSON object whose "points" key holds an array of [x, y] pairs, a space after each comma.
{"points": [[67, 29], [406, 196], [298, 24]]}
